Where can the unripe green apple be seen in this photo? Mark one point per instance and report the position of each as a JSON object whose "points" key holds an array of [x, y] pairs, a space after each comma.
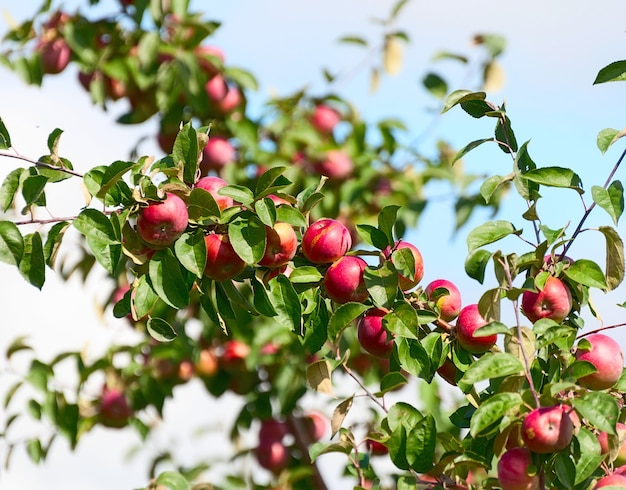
{"points": [[467, 323], [161, 223], [281, 245], [222, 261], [607, 357], [325, 241], [513, 468], [406, 283], [554, 301], [212, 185], [547, 429], [372, 335], [344, 280], [449, 303]]}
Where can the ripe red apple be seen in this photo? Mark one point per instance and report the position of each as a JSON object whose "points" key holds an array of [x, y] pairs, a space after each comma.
{"points": [[607, 356], [212, 185], [554, 301], [547, 429], [448, 371], [468, 321], [281, 245], [316, 424], [376, 448], [336, 165], [513, 468], [405, 283], [207, 364], [615, 480], [185, 370], [603, 439], [161, 223], [272, 430], [114, 409], [222, 261], [216, 154], [273, 456], [231, 100], [234, 355], [449, 303], [372, 334], [325, 241], [216, 88], [55, 55], [325, 118], [344, 281]]}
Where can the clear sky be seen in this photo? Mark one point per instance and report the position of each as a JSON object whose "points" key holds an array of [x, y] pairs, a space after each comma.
{"points": [[554, 51]]}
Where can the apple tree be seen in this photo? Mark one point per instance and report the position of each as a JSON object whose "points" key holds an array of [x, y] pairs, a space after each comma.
{"points": [[264, 255]]}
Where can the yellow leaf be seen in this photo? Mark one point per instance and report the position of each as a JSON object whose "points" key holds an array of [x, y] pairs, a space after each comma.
{"points": [[318, 375], [392, 56], [493, 77]]}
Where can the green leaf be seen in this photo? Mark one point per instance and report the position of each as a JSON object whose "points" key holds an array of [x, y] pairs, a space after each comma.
{"points": [[143, 298], [555, 177], [373, 236], [436, 85], [108, 255], [610, 199], [291, 215], [613, 72], [286, 303], [590, 457], [491, 366], [391, 381], [344, 316], [238, 193], [33, 264], [599, 409], [490, 232], [353, 40], [160, 330], [185, 150], [266, 211], [588, 273], [270, 181], [95, 224], [202, 205], [421, 442], [173, 481], [9, 188], [414, 358], [53, 242], [167, 279], [190, 250], [33, 190], [404, 262], [459, 96], [492, 410], [387, 220], [34, 450], [607, 137], [112, 175], [469, 147], [248, 238], [505, 136], [492, 184], [402, 321], [306, 274], [614, 257], [319, 448], [476, 264], [261, 299], [382, 283], [5, 139], [11, 243]]}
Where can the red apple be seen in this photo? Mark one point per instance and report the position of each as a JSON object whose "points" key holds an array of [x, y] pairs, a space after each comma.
{"points": [[607, 357], [55, 55], [281, 245], [603, 439], [344, 281], [114, 409], [185, 370], [449, 303], [212, 185], [547, 429], [231, 100], [336, 165], [376, 448], [272, 456], [161, 223], [513, 468], [216, 154], [272, 430], [325, 118], [207, 364], [615, 480], [372, 334], [448, 371], [406, 283], [467, 323], [166, 140], [234, 355], [554, 301], [222, 261], [216, 88], [316, 424], [325, 241]]}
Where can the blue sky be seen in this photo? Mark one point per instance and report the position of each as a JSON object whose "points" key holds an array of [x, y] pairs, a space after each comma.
{"points": [[554, 51]]}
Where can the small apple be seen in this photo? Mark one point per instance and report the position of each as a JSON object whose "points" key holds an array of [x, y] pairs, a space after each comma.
{"points": [[212, 185], [547, 430], [554, 301], [614, 481], [336, 165], [513, 469], [372, 334], [185, 370], [376, 448], [222, 261], [272, 456], [231, 100], [449, 303], [281, 245], [406, 283], [55, 55], [316, 424], [325, 241], [208, 56], [234, 354], [114, 409], [161, 223], [216, 88], [448, 371], [217, 153], [607, 357], [344, 280], [272, 430], [325, 118], [468, 321], [207, 364]]}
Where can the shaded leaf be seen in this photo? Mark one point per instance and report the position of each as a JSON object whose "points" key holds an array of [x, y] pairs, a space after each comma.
{"points": [[318, 375], [614, 257], [613, 72], [610, 199]]}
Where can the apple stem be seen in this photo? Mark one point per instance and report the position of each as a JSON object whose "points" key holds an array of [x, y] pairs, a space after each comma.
{"points": [[41, 164], [608, 327], [303, 441], [369, 394]]}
